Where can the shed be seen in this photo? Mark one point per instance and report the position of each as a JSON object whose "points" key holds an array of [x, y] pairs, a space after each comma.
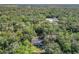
{"points": [[37, 42]]}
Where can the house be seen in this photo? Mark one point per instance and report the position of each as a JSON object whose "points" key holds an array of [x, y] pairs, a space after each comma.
{"points": [[52, 19]]}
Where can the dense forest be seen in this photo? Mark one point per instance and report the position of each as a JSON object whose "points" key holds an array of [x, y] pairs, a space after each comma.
{"points": [[29, 31]]}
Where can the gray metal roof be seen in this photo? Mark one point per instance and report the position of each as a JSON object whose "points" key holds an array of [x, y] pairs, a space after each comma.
{"points": [[37, 41]]}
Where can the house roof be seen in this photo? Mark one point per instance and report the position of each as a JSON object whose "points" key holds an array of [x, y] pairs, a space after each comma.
{"points": [[52, 16], [36, 41], [52, 19]]}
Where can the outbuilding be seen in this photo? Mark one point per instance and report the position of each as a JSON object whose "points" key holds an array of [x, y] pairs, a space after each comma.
{"points": [[37, 42]]}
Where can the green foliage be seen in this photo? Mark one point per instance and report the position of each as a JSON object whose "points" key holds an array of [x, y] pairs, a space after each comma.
{"points": [[26, 48], [18, 27]]}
